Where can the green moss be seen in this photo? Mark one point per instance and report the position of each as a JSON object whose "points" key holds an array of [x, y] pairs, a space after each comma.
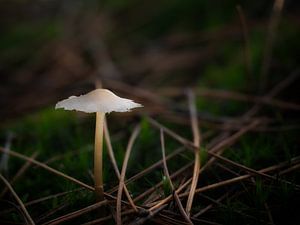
{"points": [[166, 186]]}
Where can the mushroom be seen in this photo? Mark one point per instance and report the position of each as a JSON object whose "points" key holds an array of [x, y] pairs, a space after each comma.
{"points": [[99, 101]]}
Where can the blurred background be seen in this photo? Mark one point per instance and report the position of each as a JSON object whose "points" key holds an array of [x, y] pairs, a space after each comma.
{"points": [[232, 54], [53, 49]]}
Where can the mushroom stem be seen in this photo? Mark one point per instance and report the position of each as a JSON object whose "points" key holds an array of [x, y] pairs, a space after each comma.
{"points": [[98, 177]]}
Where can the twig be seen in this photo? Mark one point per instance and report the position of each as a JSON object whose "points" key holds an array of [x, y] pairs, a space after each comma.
{"points": [[5, 157], [29, 220], [269, 213], [77, 213], [252, 170], [223, 183], [142, 220], [167, 199], [288, 170], [19, 173], [122, 176], [273, 92], [51, 212], [236, 179], [150, 168], [218, 148], [192, 147], [169, 219], [61, 156], [171, 133], [154, 196], [48, 168], [284, 84], [197, 221], [222, 205], [166, 172], [210, 206], [197, 139], [247, 52], [274, 22], [36, 201], [98, 221], [114, 163], [177, 173], [233, 138], [237, 96]]}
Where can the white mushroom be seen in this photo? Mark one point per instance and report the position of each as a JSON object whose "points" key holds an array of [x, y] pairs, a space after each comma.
{"points": [[99, 101]]}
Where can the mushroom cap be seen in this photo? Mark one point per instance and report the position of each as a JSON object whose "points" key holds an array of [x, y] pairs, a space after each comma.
{"points": [[99, 100]]}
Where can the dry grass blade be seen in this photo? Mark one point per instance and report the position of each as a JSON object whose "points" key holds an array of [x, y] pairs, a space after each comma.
{"points": [[274, 22], [98, 221], [210, 205], [169, 217], [110, 149], [166, 172], [112, 197], [269, 213], [77, 213], [19, 173], [167, 199], [214, 151], [230, 140], [225, 94], [237, 96], [240, 178], [171, 133], [247, 49], [288, 170], [122, 176], [197, 139], [155, 165], [29, 220], [223, 183], [155, 187], [283, 84], [140, 221], [64, 155], [150, 168], [36, 201], [225, 206], [219, 148], [174, 221], [48, 168], [227, 142], [51, 212], [273, 92], [223, 144], [114, 163], [252, 170]]}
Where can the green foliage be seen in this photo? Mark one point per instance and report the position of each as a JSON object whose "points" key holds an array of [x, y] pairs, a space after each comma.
{"points": [[261, 193], [203, 156], [147, 150], [256, 150], [45, 131], [166, 186]]}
